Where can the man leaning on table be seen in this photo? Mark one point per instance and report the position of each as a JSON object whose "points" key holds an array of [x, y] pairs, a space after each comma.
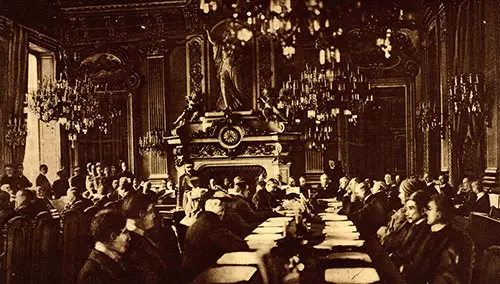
{"points": [[208, 239]]}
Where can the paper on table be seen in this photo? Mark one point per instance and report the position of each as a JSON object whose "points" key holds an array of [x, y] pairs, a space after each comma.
{"points": [[332, 217], [342, 235], [280, 219], [330, 243], [335, 203], [271, 237], [274, 224], [238, 258], [268, 230], [226, 274], [354, 255], [256, 244], [354, 275], [328, 199], [342, 229], [332, 210], [345, 223]]}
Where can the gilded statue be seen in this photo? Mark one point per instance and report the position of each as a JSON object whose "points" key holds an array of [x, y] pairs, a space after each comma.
{"points": [[232, 70]]}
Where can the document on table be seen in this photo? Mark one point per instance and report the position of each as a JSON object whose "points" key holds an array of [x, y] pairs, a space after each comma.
{"points": [[226, 274], [342, 229], [330, 243], [342, 235], [238, 258], [280, 219], [264, 237], [354, 275], [274, 224], [350, 255], [268, 230], [344, 223], [261, 244], [332, 217]]}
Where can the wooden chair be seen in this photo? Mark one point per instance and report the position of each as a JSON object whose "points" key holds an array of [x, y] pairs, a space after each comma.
{"points": [[490, 266], [74, 245], [17, 234], [45, 259], [495, 212]]}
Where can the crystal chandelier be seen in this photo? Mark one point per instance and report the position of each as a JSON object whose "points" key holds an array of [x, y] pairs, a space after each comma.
{"points": [[16, 133], [78, 107], [316, 99]]}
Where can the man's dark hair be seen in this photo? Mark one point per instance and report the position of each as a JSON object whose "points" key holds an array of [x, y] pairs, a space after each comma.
{"points": [[19, 166], [421, 198], [28, 194], [107, 222], [44, 166], [445, 206], [8, 166], [135, 203], [262, 183]]}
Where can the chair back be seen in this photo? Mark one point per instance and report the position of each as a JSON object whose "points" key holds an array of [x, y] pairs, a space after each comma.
{"points": [[490, 266], [74, 245], [44, 249], [17, 234]]}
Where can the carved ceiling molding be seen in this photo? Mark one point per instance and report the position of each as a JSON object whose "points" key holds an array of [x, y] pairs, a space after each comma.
{"points": [[90, 6], [404, 60]]}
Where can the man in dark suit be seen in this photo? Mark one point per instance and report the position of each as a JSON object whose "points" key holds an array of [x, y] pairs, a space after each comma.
{"points": [[24, 204], [21, 180], [482, 201], [8, 177], [104, 264], [60, 185], [326, 189], [445, 188], [264, 199], [365, 210], [242, 206], [77, 180], [208, 239], [439, 252], [430, 186], [125, 171], [6, 210], [156, 256], [42, 179], [334, 172]]}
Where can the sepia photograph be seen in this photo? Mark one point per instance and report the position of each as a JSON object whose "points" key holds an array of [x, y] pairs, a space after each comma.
{"points": [[249, 141]]}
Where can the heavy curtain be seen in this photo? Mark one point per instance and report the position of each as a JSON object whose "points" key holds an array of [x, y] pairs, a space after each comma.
{"points": [[14, 51], [467, 130]]}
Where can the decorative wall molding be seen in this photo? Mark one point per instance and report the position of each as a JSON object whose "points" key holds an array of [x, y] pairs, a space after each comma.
{"points": [[195, 65]]}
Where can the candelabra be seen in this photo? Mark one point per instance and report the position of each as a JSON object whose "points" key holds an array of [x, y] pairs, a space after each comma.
{"points": [[467, 95], [427, 116], [16, 133], [152, 142], [319, 96]]}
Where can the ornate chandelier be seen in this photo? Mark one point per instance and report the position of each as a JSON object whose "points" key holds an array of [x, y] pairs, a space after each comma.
{"points": [[466, 94], [319, 96], [152, 142], [78, 108]]}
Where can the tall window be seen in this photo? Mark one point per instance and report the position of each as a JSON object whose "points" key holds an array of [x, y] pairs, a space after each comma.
{"points": [[32, 154]]}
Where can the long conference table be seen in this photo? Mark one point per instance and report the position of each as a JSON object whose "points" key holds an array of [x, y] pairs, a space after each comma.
{"points": [[330, 251]]}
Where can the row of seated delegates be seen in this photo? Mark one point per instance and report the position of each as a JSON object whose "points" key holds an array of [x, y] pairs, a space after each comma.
{"points": [[131, 246], [472, 197]]}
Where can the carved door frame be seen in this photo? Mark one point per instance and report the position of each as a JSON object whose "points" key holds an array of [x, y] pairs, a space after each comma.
{"points": [[409, 87]]}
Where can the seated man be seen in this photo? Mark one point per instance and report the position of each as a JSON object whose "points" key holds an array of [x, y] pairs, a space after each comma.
{"points": [[433, 254], [25, 205], [325, 189], [101, 197], [264, 200], [366, 211], [104, 264], [240, 204], [76, 201], [155, 255], [42, 199], [208, 239], [482, 201]]}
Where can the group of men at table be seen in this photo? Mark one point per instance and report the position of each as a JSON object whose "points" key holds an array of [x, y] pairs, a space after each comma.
{"points": [[130, 245]]}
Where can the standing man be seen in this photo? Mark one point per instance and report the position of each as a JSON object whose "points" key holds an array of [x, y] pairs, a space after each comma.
{"points": [[334, 172], [42, 179], [125, 171], [185, 179], [60, 185]]}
